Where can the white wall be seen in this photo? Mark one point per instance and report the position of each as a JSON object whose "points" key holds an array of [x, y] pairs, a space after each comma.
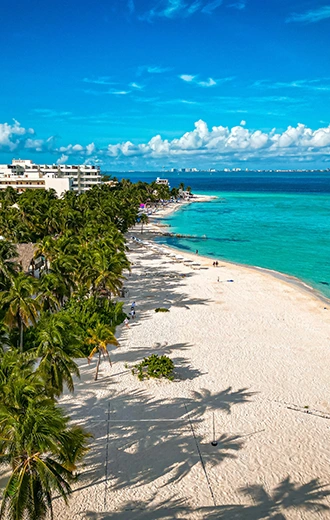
{"points": [[59, 184]]}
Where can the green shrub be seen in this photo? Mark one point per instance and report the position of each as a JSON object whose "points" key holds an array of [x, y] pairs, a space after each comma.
{"points": [[161, 309], [154, 366]]}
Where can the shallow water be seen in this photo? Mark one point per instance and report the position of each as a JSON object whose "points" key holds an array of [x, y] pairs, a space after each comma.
{"points": [[276, 221]]}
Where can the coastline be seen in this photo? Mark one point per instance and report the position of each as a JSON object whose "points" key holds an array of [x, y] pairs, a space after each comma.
{"points": [[252, 356], [155, 227]]}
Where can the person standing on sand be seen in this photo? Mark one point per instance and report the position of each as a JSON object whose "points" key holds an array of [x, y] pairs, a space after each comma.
{"points": [[196, 251], [126, 322]]}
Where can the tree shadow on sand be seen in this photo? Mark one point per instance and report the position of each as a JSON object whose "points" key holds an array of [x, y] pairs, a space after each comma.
{"points": [[144, 439], [137, 353], [183, 369], [273, 505], [286, 496], [165, 288]]}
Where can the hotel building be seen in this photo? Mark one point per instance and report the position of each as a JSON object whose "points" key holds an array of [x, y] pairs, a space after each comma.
{"points": [[24, 174]]}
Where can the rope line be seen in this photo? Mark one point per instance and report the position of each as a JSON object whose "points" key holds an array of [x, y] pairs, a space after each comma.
{"points": [[201, 458], [107, 458]]}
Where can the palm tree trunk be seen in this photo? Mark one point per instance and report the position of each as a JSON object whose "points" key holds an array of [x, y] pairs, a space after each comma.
{"points": [[20, 324], [109, 358], [97, 366]]}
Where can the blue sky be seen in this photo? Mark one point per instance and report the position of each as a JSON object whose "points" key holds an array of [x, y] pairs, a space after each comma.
{"points": [[149, 83]]}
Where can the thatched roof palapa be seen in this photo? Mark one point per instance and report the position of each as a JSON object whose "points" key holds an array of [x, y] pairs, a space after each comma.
{"points": [[25, 255]]}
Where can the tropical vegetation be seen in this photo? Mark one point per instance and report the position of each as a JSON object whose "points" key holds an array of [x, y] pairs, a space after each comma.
{"points": [[63, 309], [154, 366]]}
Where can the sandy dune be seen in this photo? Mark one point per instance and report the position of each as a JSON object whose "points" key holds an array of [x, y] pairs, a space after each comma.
{"points": [[254, 354]]}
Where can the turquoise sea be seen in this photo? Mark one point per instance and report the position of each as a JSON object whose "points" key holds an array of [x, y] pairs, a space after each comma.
{"points": [[276, 221]]}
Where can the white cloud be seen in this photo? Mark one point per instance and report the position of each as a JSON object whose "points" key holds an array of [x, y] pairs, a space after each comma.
{"points": [[50, 112], [90, 149], [136, 85], [211, 6], [152, 69], [238, 5], [319, 84], [187, 77], [119, 92], [157, 70], [179, 9], [71, 148], [12, 136], [34, 144], [238, 142], [313, 16], [103, 80], [209, 83], [62, 159]]}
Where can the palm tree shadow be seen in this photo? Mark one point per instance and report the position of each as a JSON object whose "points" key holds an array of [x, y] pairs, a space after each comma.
{"points": [[151, 438], [273, 505], [163, 288], [224, 400], [267, 506], [139, 510]]}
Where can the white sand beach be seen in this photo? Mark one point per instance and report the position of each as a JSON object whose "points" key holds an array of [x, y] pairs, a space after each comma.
{"points": [[253, 354]]}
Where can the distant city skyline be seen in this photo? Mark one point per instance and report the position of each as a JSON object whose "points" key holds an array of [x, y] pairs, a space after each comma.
{"points": [[146, 84]]}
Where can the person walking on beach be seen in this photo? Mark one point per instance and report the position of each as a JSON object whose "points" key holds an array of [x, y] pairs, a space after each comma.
{"points": [[196, 251], [126, 322], [133, 306], [132, 313]]}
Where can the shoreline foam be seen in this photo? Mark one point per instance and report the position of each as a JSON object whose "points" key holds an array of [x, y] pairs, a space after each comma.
{"points": [[156, 224]]}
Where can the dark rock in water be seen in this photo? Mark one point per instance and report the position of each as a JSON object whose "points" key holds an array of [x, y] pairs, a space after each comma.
{"points": [[325, 283]]}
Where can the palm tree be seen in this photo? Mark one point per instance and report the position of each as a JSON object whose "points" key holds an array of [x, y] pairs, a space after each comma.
{"points": [[20, 303], [47, 248], [144, 220], [53, 220], [66, 268], [53, 290], [10, 195], [42, 451], [100, 337], [102, 270], [109, 269], [57, 344], [8, 266]]}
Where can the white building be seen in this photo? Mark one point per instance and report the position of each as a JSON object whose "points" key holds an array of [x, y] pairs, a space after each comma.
{"points": [[162, 181], [23, 174]]}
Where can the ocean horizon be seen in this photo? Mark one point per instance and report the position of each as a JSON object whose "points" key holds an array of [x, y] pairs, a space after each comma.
{"points": [[278, 221]]}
